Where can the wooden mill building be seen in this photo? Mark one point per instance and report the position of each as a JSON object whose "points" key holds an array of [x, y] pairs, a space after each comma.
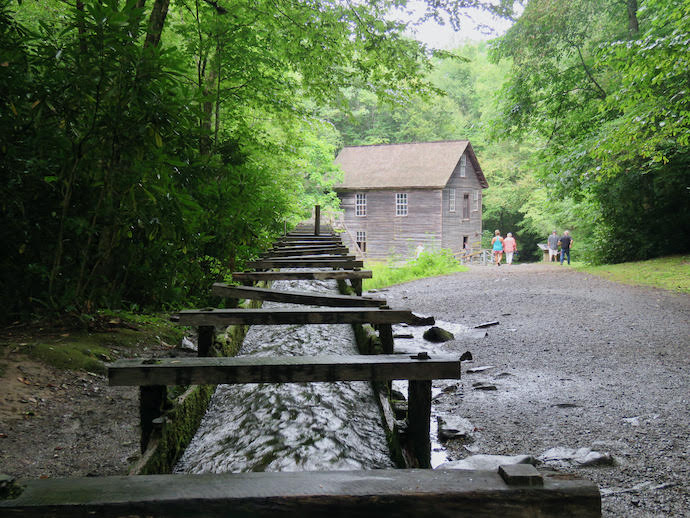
{"points": [[396, 197]]}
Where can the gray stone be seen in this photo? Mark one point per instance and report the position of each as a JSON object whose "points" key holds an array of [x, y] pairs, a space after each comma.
{"points": [[487, 462], [472, 370], [453, 427], [436, 334], [483, 386], [580, 456]]}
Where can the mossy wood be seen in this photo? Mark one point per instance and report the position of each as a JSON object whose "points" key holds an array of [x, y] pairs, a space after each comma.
{"points": [[303, 275], [280, 316], [283, 369], [294, 297], [306, 263], [364, 494]]}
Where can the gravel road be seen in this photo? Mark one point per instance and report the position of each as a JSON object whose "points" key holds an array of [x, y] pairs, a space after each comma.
{"points": [[577, 362]]}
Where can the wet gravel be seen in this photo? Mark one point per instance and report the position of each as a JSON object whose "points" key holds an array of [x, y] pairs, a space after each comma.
{"points": [[577, 362]]}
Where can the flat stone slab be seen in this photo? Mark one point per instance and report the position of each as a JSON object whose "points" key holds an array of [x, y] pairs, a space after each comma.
{"points": [[487, 462]]}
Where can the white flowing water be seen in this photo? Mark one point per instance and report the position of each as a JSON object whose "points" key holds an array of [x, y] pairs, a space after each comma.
{"points": [[293, 426]]}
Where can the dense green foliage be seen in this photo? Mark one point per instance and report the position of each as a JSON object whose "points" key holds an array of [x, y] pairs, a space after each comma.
{"points": [[148, 149], [602, 86]]}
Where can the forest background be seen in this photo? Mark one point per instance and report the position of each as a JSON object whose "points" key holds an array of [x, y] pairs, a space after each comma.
{"points": [[148, 149]]}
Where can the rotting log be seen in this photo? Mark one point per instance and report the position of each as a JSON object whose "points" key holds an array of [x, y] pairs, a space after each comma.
{"points": [[283, 369], [364, 494], [294, 297], [283, 316]]}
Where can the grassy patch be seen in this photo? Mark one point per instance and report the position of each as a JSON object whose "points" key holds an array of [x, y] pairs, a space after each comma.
{"points": [[71, 355], [669, 273], [112, 335], [428, 264]]}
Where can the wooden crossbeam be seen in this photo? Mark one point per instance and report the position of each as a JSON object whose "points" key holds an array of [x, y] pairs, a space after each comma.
{"points": [[323, 257], [283, 369], [306, 237], [306, 246], [306, 263], [340, 251], [363, 494], [294, 297], [303, 275], [281, 316]]}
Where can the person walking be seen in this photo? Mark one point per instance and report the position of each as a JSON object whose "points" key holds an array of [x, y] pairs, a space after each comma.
{"points": [[566, 242], [509, 247], [497, 243], [553, 246]]}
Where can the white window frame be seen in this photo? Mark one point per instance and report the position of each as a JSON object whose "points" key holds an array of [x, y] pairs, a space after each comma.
{"points": [[401, 201], [361, 240], [451, 200], [476, 201], [466, 205], [360, 204], [463, 166]]}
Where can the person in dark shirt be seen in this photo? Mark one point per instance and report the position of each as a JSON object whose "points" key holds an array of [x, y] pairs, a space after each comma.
{"points": [[566, 242]]}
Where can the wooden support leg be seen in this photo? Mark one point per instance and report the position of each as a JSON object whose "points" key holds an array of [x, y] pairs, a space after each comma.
{"points": [[151, 402], [386, 337], [357, 286], [419, 420], [205, 340], [317, 220]]}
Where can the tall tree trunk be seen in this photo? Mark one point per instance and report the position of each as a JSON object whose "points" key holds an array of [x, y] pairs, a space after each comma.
{"points": [[156, 23], [81, 29], [206, 123], [633, 26]]}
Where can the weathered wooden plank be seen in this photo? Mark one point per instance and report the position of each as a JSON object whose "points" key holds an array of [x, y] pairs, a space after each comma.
{"points": [[305, 263], [307, 242], [294, 297], [303, 274], [292, 252], [282, 316], [307, 237], [322, 257], [296, 246], [361, 494], [284, 369]]}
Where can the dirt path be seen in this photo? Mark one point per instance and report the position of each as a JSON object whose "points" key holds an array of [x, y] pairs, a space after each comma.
{"points": [[578, 362]]}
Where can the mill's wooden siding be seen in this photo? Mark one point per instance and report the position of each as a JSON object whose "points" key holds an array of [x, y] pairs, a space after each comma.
{"points": [[387, 234], [454, 226]]}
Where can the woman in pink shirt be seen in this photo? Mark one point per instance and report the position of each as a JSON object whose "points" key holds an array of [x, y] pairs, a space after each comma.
{"points": [[509, 247]]}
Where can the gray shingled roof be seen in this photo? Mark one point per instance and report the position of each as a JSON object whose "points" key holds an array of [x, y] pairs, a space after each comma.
{"points": [[421, 165]]}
